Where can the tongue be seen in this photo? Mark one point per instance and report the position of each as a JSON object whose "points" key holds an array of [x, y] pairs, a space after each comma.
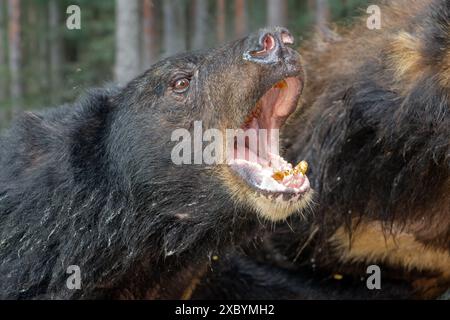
{"points": [[293, 181]]}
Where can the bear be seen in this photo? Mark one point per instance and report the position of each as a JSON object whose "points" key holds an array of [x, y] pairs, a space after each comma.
{"points": [[375, 129], [93, 204]]}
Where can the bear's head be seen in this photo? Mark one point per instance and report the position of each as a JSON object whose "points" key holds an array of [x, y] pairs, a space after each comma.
{"points": [[206, 124]]}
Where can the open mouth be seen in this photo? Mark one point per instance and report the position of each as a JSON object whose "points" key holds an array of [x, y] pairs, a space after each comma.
{"points": [[255, 158]]}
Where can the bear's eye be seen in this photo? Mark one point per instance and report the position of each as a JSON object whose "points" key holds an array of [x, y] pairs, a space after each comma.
{"points": [[181, 85]]}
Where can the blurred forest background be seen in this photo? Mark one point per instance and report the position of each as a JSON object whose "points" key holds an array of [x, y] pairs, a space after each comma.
{"points": [[43, 63]]}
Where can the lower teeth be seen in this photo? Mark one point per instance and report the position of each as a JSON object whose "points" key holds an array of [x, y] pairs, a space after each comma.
{"points": [[302, 168]]}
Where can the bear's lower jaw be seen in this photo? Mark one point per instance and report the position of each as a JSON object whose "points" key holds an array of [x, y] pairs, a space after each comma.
{"points": [[274, 209], [271, 206]]}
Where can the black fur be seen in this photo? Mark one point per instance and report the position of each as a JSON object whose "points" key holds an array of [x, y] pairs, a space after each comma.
{"points": [[81, 186]]}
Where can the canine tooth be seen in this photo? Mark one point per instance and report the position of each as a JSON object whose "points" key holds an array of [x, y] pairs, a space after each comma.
{"points": [[302, 167]]}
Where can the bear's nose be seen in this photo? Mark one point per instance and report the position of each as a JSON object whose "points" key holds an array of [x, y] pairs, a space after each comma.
{"points": [[270, 45]]}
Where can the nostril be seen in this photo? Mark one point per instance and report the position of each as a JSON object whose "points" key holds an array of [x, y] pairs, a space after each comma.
{"points": [[286, 37], [267, 43]]}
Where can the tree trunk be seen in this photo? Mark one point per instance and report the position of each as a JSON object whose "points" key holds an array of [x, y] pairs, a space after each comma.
{"points": [[127, 40], [43, 49], [201, 24], [221, 24], [3, 70], [277, 13], [174, 12], [3, 62], [15, 53], [322, 15], [240, 18], [150, 34], [56, 58]]}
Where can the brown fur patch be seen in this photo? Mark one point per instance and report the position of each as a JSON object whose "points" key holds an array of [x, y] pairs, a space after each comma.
{"points": [[445, 75], [195, 281], [371, 243], [405, 57]]}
